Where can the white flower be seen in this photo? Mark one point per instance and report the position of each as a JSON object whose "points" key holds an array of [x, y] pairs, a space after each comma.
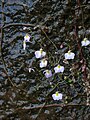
{"points": [[57, 96], [69, 55], [27, 38], [43, 63], [85, 42], [40, 53], [24, 45], [59, 68], [48, 73]]}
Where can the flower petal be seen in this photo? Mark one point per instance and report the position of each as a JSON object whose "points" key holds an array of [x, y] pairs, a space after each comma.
{"points": [[72, 55], [43, 54], [61, 69], [54, 96], [60, 96], [67, 56], [24, 45], [87, 42], [83, 43]]}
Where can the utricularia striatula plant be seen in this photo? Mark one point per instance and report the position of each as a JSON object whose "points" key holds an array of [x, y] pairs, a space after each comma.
{"points": [[41, 54]]}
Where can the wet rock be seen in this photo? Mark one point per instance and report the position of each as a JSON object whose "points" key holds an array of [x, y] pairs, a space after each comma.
{"points": [[57, 19]]}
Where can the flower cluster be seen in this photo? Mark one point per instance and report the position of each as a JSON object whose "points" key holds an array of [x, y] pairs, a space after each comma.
{"points": [[43, 63], [40, 54]]}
